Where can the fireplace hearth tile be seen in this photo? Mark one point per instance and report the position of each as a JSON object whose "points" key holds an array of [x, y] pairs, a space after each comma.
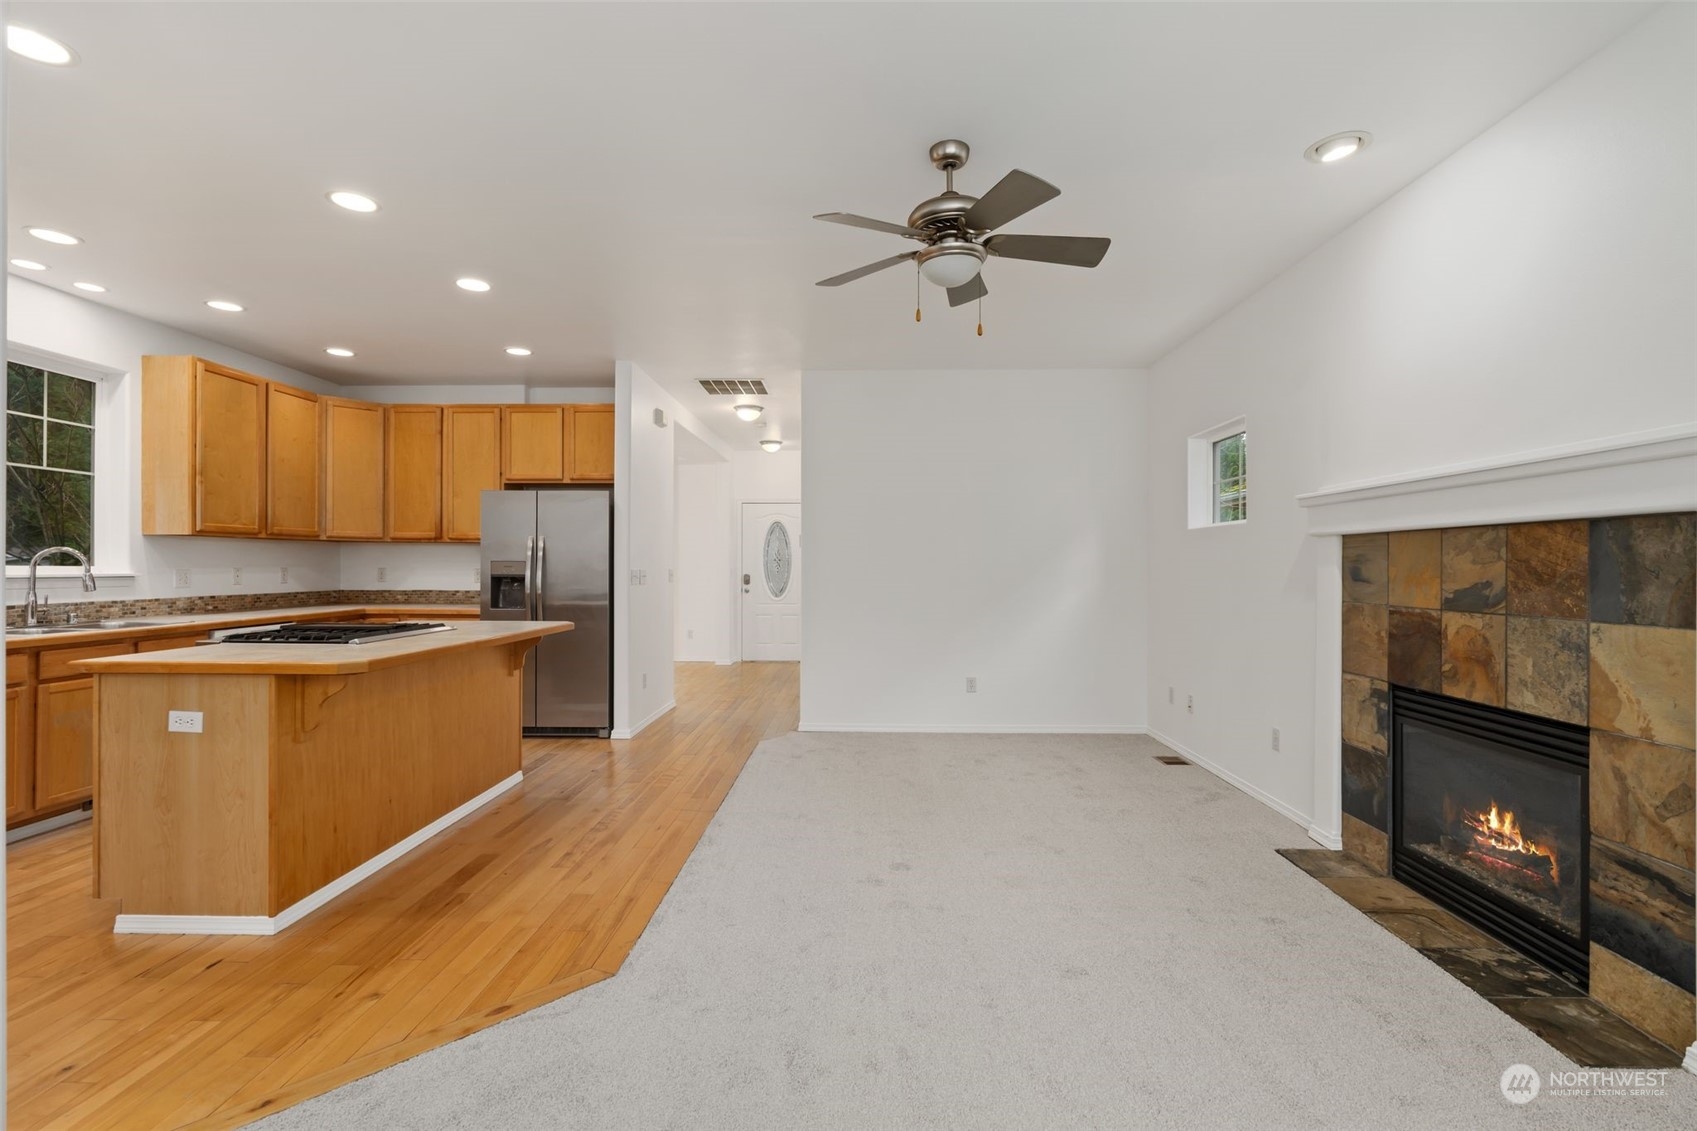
{"points": [[1323, 863], [1641, 680], [1547, 569], [1364, 629], [1364, 774], [1417, 569], [1367, 844], [1365, 566], [1415, 649], [1426, 930], [1586, 1033], [1494, 971], [1379, 893], [1642, 796], [1475, 569], [1662, 1010], [1642, 909], [1366, 713], [1643, 570], [1473, 657], [1548, 668]]}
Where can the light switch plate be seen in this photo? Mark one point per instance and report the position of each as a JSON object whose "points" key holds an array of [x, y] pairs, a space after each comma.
{"points": [[184, 722]]}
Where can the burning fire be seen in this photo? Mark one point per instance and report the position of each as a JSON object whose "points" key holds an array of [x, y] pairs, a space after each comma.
{"points": [[1499, 833]]}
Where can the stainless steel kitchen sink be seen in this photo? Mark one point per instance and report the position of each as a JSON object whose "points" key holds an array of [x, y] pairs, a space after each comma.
{"points": [[120, 623], [50, 629]]}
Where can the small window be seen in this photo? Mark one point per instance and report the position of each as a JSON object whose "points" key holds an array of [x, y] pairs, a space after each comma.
{"points": [[49, 462], [1231, 482], [1218, 481]]}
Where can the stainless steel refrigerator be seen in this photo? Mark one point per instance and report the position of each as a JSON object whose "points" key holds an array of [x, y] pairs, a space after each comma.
{"points": [[548, 555]]}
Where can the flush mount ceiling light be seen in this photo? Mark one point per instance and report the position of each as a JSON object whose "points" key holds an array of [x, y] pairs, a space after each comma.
{"points": [[338, 351], [94, 288], [470, 284], [749, 412], [29, 264], [225, 305], [33, 45], [518, 351], [771, 445], [1338, 146], [52, 236], [353, 201]]}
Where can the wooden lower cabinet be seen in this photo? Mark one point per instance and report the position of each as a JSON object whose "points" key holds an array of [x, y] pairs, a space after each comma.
{"points": [[64, 742], [20, 779]]}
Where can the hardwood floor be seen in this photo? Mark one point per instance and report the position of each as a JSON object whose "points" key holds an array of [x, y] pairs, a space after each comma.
{"points": [[543, 893]]}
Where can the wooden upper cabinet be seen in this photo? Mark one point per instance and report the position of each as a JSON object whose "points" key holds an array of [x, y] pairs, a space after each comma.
{"points": [[413, 507], [533, 443], [229, 437], [590, 453], [294, 463], [353, 469], [471, 465]]}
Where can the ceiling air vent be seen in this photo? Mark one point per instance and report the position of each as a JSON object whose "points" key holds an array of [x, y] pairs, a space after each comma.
{"points": [[735, 388]]}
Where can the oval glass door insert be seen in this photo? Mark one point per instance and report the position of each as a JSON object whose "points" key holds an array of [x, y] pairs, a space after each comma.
{"points": [[775, 556]]}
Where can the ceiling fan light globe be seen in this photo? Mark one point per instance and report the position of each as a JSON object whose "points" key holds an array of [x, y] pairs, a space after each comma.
{"points": [[951, 269]]}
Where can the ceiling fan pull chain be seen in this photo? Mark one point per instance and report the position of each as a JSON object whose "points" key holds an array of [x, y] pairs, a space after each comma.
{"points": [[916, 317], [980, 316]]}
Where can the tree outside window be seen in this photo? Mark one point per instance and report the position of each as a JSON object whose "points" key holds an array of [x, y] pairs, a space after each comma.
{"points": [[49, 462], [1231, 478]]}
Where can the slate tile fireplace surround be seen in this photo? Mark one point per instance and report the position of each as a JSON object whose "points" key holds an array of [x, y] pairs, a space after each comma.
{"points": [[1519, 742]]}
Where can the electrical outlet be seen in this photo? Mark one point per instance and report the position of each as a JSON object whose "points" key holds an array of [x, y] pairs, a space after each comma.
{"points": [[283, 575], [477, 576], [671, 575], [689, 634], [382, 573], [1190, 704], [1169, 694], [645, 681], [1275, 738], [972, 685], [183, 579], [184, 722], [236, 575]]}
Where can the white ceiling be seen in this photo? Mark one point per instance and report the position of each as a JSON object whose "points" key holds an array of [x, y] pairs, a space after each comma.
{"points": [[637, 180]]}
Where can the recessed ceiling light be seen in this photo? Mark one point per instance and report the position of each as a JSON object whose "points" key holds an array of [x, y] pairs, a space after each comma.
{"points": [[33, 45], [749, 412], [95, 288], [52, 236], [353, 201], [771, 445], [518, 351], [225, 305], [29, 265], [470, 284], [1338, 146], [338, 351]]}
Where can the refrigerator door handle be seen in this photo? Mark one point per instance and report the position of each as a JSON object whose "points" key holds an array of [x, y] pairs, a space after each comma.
{"points": [[541, 573], [529, 588]]}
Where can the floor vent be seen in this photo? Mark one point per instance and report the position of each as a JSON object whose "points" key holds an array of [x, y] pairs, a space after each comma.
{"points": [[735, 388], [1170, 760]]}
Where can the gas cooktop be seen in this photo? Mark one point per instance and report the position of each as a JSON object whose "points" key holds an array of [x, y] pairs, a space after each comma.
{"points": [[322, 632]]}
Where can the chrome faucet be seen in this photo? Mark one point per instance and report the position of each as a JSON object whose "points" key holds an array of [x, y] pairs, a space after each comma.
{"points": [[29, 598]]}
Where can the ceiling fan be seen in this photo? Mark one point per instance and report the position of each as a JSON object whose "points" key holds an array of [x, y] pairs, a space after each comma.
{"points": [[955, 229]]}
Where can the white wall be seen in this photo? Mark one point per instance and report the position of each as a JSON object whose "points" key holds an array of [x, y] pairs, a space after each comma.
{"points": [[41, 318], [1533, 290], [993, 527]]}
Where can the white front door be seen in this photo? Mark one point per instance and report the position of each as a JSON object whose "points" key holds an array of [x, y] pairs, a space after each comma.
{"points": [[770, 580]]}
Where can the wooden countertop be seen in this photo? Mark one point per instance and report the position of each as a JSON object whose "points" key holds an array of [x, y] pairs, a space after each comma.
{"points": [[163, 626], [324, 659]]}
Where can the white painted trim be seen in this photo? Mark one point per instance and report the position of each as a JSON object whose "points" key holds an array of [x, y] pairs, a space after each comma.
{"points": [[968, 728], [622, 735], [1230, 778], [1640, 473], [270, 925], [1325, 839], [48, 824], [1690, 1062]]}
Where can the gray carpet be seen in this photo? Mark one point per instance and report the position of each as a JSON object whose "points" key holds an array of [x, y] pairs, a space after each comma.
{"points": [[885, 931]]}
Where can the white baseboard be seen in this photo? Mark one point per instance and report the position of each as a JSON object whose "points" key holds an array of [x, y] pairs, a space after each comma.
{"points": [[1690, 1062], [1325, 839], [271, 924], [24, 832], [967, 728], [724, 663], [622, 734], [1226, 775]]}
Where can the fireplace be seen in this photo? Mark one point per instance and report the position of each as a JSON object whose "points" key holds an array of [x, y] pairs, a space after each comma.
{"points": [[1489, 818]]}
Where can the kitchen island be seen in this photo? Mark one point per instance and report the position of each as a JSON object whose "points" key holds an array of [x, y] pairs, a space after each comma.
{"points": [[314, 766]]}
